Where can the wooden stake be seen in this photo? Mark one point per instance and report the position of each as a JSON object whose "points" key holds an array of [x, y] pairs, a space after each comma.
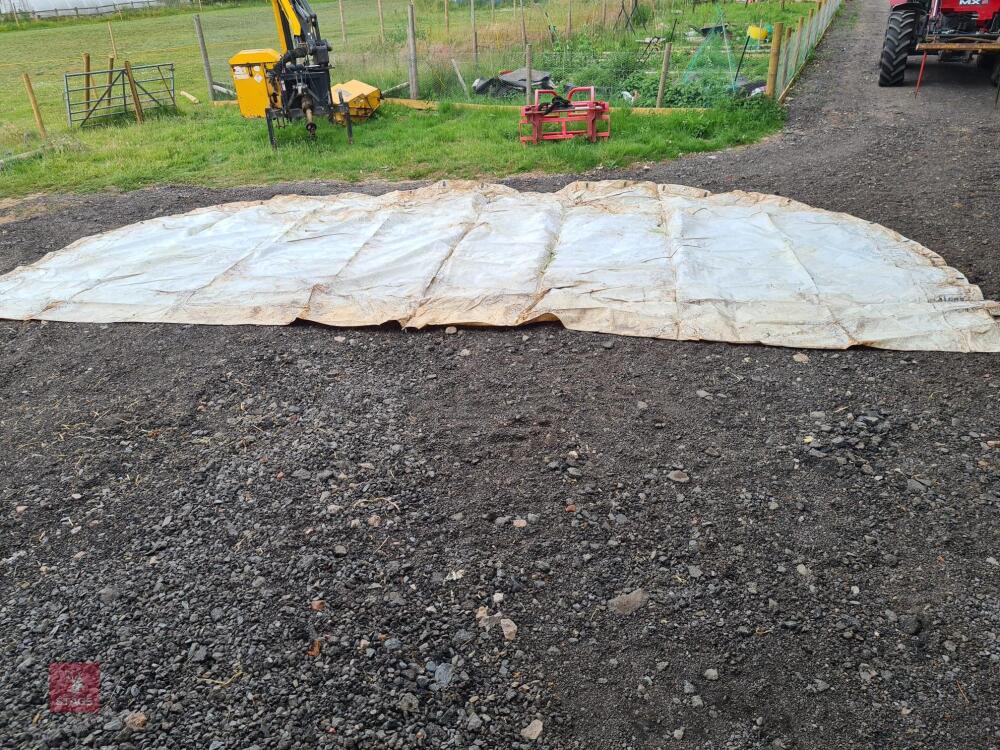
{"points": [[381, 22], [772, 63], [528, 75], [792, 56], [204, 56], [783, 75], [86, 79], [411, 44], [604, 14], [475, 36], [461, 80], [139, 116], [664, 70], [111, 75], [34, 106], [524, 26], [343, 26], [111, 33]]}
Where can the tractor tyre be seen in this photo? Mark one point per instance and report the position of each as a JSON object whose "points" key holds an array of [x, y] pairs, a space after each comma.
{"points": [[991, 64], [900, 36]]}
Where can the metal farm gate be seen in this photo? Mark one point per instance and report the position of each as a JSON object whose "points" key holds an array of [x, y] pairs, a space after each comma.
{"points": [[97, 94]]}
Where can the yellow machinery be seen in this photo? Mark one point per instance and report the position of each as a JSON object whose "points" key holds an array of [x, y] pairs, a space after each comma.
{"points": [[295, 83], [362, 99], [250, 68]]}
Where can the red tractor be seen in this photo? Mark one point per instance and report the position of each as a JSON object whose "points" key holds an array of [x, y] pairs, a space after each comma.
{"points": [[954, 29]]}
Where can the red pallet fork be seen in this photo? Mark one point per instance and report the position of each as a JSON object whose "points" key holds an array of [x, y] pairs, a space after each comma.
{"points": [[544, 117]]}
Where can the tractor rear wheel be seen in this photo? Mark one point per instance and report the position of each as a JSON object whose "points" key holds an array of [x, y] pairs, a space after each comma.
{"points": [[900, 35]]}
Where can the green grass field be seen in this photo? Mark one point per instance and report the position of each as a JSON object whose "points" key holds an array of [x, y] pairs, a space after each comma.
{"points": [[213, 145]]}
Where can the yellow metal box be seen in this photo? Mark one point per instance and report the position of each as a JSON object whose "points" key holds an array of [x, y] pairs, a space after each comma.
{"points": [[360, 98], [249, 68]]}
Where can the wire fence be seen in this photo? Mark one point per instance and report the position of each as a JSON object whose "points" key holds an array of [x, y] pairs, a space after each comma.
{"points": [[710, 55], [22, 11], [796, 46], [617, 46]]}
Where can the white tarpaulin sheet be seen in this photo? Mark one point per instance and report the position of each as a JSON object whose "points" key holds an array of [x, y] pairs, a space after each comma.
{"points": [[631, 258]]}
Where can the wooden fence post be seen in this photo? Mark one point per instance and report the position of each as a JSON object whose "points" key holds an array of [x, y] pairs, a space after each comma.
{"points": [[475, 35], [786, 48], [34, 106], [664, 70], [411, 45], [343, 25], [528, 75], [524, 26], [86, 78], [204, 56], [604, 14], [111, 33], [381, 22], [792, 57], [139, 116], [798, 45], [772, 64]]}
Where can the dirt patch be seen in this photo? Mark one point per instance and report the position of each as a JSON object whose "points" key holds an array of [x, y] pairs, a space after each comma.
{"points": [[814, 538], [18, 209]]}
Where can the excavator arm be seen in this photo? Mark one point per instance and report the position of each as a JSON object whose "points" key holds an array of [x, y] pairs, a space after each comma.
{"points": [[297, 24]]}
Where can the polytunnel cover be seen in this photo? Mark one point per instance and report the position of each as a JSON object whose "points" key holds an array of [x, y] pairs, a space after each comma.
{"points": [[632, 258]]}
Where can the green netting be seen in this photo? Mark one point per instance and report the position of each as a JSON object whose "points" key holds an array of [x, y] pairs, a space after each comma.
{"points": [[713, 60]]}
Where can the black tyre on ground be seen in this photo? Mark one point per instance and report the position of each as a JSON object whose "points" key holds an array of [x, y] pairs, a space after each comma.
{"points": [[991, 64], [900, 35]]}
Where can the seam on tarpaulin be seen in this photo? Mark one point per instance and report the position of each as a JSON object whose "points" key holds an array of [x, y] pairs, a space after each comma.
{"points": [[188, 296], [786, 240], [55, 304], [307, 309], [474, 222], [667, 216], [550, 254]]}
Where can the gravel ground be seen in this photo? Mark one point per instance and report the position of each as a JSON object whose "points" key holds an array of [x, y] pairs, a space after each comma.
{"points": [[300, 537]]}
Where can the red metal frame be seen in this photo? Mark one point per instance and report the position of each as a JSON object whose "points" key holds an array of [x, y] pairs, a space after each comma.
{"points": [[984, 11], [590, 112]]}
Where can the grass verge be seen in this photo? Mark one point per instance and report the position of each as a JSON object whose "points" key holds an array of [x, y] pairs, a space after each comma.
{"points": [[218, 147]]}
